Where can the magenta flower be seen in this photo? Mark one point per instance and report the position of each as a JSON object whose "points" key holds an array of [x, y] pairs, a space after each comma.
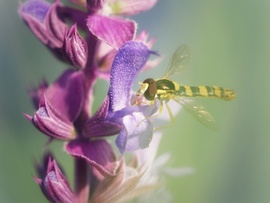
{"points": [[106, 24], [59, 106], [54, 184], [46, 23], [75, 48]]}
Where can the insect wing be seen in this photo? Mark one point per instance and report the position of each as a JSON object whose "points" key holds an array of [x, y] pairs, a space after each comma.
{"points": [[178, 62], [198, 112]]}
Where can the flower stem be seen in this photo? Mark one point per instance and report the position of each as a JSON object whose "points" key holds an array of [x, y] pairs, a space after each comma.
{"points": [[81, 180]]}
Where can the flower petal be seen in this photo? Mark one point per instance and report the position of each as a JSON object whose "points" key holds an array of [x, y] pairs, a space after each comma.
{"points": [[66, 95], [45, 21], [99, 126], [33, 14], [123, 187], [113, 30], [131, 7], [137, 133], [55, 185], [128, 62], [98, 153], [52, 127], [55, 26], [37, 9]]}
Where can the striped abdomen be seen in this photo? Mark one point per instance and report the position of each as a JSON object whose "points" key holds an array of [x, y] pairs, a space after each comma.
{"points": [[206, 91]]}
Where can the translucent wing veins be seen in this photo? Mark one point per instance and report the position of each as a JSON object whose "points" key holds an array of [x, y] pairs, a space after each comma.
{"points": [[178, 62], [198, 112]]}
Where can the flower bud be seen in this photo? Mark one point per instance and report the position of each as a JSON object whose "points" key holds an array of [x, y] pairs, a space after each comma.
{"points": [[55, 185], [75, 48]]}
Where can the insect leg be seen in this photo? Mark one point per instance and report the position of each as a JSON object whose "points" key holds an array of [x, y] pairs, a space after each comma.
{"points": [[169, 111], [170, 114]]}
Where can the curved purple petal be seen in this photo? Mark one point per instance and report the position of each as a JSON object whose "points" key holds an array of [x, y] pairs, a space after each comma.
{"points": [[113, 30], [98, 153], [55, 185], [98, 124], [54, 128], [46, 22], [66, 95], [136, 134], [55, 26], [37, 9], [128, 62], [33, 14]]}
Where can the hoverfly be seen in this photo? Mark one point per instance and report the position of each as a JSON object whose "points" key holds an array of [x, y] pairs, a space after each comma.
{"points": [[165, 90]]}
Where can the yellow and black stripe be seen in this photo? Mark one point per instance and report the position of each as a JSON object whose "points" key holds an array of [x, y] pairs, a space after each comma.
{"points": [[206, 91]]}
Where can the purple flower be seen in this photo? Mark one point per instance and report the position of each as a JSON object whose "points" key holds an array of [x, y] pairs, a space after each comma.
{"points": [[110, 28], [45, 22], [113, 30], [117, 110], [75, 48], [98, 153], [105, 55], [59, 106], [54, 184]]}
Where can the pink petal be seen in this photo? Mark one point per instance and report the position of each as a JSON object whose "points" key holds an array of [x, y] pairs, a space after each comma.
{"points": [[54, 128], [66, 95], [98, 153], [98, 126], [113, 30], [55, 26]]}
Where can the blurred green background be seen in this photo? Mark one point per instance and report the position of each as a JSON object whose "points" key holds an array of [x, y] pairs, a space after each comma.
{"points": [[229, 43]]}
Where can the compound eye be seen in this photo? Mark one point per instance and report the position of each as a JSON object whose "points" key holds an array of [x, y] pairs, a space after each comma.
{"points": [[151, 91]]}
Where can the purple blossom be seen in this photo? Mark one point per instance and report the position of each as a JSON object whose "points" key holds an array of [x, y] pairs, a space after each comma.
{"points": [[54, 184], [75, 48], [136, 132], [60, 106], [97, 153], [45, 22], [105, 23], [112, 30]]}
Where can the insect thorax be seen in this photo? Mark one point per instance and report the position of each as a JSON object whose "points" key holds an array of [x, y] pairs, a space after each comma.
{"points": [[167, 85], [166, 88]]}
